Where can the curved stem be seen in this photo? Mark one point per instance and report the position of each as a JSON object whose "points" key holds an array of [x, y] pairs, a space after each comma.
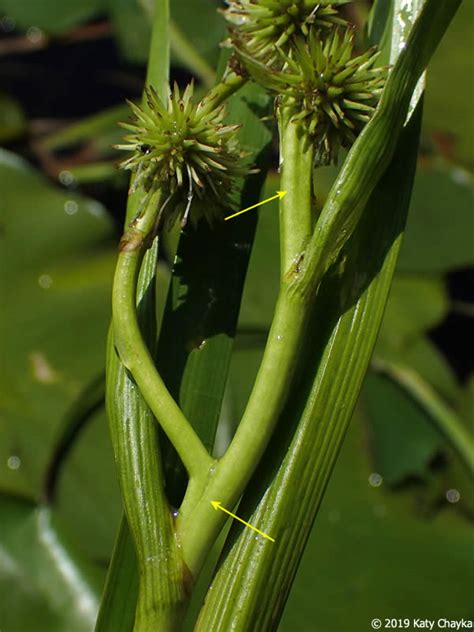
{"points": [[445, 419], [198, 524], [371, 153], [134, 353]]}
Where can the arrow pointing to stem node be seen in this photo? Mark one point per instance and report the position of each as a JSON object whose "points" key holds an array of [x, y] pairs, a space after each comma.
{"points": [[279, 195], [217, 505]]}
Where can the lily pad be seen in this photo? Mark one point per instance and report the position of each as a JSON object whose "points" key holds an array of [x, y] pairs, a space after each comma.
{"points": [[45, 585], [57, 261]]}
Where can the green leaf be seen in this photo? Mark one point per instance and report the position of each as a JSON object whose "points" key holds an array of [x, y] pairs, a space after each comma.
{"points": [[56, 268], [132, 29], [51, 16], [366, 549], [204, 27], [423, 356], [45, 585], [415, 304], [12, 119], [88, 480], [448, 96], [403, 439], [441, 221]]}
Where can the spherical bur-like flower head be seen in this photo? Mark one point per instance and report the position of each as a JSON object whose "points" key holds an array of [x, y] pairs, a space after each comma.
{"points": [[334, 92], [186, 151], [261, 28]]}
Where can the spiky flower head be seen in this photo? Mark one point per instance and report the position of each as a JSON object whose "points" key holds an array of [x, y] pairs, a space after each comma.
{"points": [[185, 149], [332, 92], [263, 27]]}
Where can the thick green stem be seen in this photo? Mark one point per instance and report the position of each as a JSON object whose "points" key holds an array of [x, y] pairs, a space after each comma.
{"points": [[230, 83], [198, 523], [373, 150], [136, 357], [297, 155], [163, 585], [445, 419]]}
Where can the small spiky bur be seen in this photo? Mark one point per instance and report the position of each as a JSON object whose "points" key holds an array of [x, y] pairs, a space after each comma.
{"points": [[261, 28], [185, 150], [333, 93]]}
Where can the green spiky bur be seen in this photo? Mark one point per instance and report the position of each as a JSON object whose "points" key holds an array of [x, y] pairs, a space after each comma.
{"points": [[332, 92], [261, 27], [187, 151]]}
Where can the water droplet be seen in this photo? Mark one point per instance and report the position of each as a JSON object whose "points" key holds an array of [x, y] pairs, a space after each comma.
{"points": [[96, 209], [71, 207], [14, 462], [34, 34], [453, 496], [279, 338], [45, 281], [175, 513], [42, 369], [375, 480], [66, 178], [460, 176]]}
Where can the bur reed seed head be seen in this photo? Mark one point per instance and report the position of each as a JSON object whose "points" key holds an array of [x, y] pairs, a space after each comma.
{"points": [[333, 93], [186, 151], [261, 28]]}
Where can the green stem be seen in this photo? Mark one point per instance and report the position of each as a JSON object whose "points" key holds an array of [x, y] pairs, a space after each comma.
{"points": [[158, 69], [297, 163], [445, 419], [373, 150], [163, 585], [230, 83], [198, 523], [135, 355]]}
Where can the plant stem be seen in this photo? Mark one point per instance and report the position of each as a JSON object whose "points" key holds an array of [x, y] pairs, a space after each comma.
{"points": [[135, 355], [158, 68], [198, 524], [445, 419], [163, 582], [297, 163], [374, 148], [230, 83], [285, 492]]}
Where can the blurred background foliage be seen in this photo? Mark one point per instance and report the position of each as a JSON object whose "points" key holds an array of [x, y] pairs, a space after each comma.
{"points": [[394, 536]]}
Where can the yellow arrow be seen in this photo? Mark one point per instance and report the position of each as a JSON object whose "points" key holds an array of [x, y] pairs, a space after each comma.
{"points": [[279, 195], [217, 505]]}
